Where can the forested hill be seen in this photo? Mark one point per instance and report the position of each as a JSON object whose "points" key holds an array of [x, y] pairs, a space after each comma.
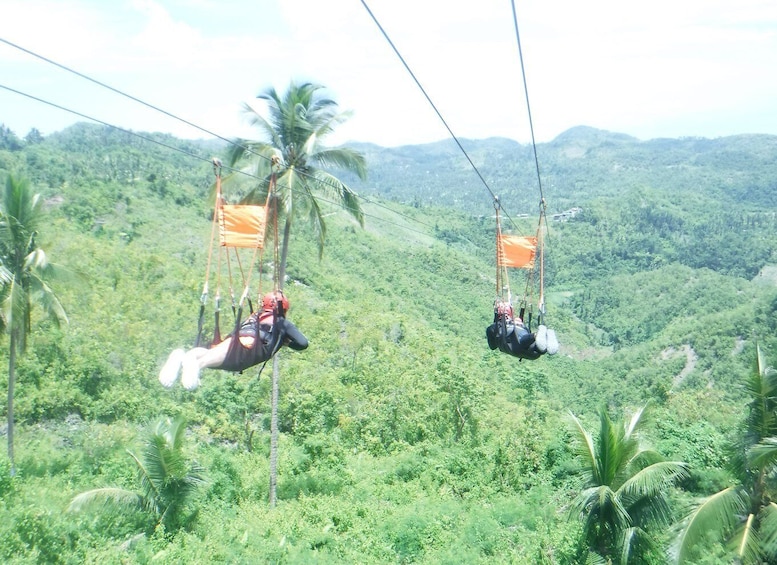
{"points": [[404, 439], [645, 205], [579, 166], [699, 202]]}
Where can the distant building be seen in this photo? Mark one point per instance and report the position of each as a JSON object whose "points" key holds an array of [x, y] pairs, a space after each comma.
{"points": [[566, 214]]}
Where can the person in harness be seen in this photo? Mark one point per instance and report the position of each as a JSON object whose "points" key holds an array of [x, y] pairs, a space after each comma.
{"points": [[509, 334], [259, 338]]}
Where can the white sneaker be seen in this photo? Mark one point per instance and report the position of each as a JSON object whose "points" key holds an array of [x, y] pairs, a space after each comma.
{"points": [[541, 339], [169, 373], [190, 374], [552, 342]]}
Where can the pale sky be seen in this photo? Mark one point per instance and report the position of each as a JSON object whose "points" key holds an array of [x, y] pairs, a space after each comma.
{"points": [[664, 68]]}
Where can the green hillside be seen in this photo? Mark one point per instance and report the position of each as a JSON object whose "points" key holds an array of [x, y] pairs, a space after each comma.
{"points": [[404, 438]]}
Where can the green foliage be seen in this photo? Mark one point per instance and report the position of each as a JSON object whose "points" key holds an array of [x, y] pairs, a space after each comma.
{"points": [[743, 514], [623, 500], [167, 479], [6, 482], [402, 437], [25, 278]]}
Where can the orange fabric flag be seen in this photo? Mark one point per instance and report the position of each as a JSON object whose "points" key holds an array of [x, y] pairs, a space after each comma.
{"points": [[516, 251], [242, 225]]}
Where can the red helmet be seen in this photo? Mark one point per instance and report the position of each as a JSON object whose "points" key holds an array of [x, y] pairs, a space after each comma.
{"points": [[504, 308], [272, 299]]}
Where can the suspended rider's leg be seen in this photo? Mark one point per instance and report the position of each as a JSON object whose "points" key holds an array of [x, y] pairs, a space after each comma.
{"points": [[169, 373], [200, 358], [552, 342], [190, 373], [541, 339]]}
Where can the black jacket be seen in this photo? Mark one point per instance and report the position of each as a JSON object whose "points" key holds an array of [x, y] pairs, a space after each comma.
{"points": [[513, 339], [271, 339]]}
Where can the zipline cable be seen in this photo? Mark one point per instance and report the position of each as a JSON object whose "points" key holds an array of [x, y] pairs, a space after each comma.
{"points": [[79, 114], [542, 202], [183, 120], [167, 113], [116, 90], [526, 94], [434, 107], [209, 160], [129, 96], [542, 224]]}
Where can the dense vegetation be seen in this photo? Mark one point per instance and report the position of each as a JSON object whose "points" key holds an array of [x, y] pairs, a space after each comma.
{"points": [[403, 437]]}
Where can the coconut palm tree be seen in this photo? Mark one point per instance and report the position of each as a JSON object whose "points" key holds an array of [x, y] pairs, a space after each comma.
{"points": [[25, 275], [624, 490], [743, 514], [167, 479], [293, 134]]}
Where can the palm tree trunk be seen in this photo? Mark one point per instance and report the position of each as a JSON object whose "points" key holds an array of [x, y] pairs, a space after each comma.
{"points": [[276, 377], [274, 432], [284, 252], [11, 382]]}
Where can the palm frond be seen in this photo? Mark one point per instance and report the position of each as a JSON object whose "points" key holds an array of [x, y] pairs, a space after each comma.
{"points": [[164, 461], [612, 509], [316, 220], [610, 449], [36, 260], [176, 431], [327, 124], [118, 497], [585, 499], [161, 460], [48, 300], [653, 480], [761, 420], [337, 189], [645, 458], [764, 454], [586, 450], [650, 512], [631, 539], [635, 422], [717, 515], [54, 272], [601, 512], [344, 159], [747, 542], [257, 120], [6, 276], [593, 558], [20, 207], [760, 361], [768, 531], [148, 485]]}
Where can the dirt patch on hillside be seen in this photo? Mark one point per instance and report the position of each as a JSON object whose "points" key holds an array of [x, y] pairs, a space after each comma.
{"points": [[587, 353], [767, 275], [690, 362]]}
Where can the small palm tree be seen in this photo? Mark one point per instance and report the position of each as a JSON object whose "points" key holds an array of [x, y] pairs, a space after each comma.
{"points": [[25, 275], [744, 514], [624, 490], [167, 479], [293, 134]]}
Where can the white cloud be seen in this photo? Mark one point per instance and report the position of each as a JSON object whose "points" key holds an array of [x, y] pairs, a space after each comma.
{"points": [[665, 68]]}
